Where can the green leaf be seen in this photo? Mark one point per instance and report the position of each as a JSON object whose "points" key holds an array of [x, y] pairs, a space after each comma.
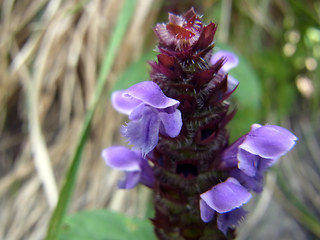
{"points": [[248, 93], [105, 225], [247, 99], [278, 82]]}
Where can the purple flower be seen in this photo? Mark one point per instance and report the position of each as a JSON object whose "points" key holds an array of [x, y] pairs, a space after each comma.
{"points": [[230, 219], [183, 35], [225, 198], [230, 61], [252, 154], [254, 183], [136, 167], [150, 112]]}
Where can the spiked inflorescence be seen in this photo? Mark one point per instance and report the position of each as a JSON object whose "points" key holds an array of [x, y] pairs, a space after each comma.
{"points": [[178, 123]]}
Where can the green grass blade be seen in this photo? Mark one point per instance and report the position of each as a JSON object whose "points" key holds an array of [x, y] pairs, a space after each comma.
{"points": [[70, 179]]}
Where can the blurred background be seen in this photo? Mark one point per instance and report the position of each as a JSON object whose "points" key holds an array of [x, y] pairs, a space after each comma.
{"points": [[50, 56]]}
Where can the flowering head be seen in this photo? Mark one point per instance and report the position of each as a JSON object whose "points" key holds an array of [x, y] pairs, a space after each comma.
{"points": [[181, 31], [185, 34], [178, 122]]}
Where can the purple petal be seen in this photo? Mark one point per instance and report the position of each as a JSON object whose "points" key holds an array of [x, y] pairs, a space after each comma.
{"points": [[136, 168], [231, 60], [143, 133], [131, 179], [266, 163], [255, 126], [248, 162], [141, 111], [230, 219], [150, 111], [147, 176], [121, 158], [171, 123], [206, 212], [226, 196], [150, 94], [269, 141], [123, 104], [232, 84], [251, 183], [253, 164], [256, 151], [229, 156]]}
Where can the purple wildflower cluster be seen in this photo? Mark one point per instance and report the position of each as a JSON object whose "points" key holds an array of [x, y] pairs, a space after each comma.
{"points": [[180, 143]]}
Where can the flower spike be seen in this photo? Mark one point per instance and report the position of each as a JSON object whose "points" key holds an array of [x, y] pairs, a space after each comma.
{"points": [[178, 129]]}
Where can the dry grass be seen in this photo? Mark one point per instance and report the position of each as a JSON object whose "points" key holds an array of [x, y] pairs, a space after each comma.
{"points": [[50, 55]]}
